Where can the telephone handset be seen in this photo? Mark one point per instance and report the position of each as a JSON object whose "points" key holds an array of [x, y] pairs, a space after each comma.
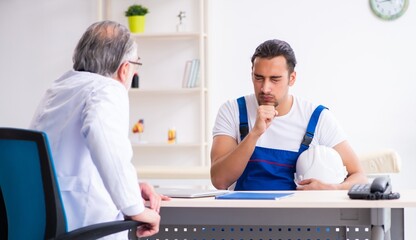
{"points": [[380, 188]]}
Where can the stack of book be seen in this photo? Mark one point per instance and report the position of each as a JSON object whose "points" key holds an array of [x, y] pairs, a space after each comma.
{"points": [[191, 73]]}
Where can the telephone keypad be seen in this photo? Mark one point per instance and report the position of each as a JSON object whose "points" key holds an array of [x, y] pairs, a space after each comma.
{"points": [[361, 188]]}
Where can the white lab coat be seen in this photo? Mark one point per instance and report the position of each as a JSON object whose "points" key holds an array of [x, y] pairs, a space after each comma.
{"points": [[86, 118]]}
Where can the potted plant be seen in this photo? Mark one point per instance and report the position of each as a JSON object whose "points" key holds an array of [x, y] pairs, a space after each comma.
{"points": [[136, 17]]}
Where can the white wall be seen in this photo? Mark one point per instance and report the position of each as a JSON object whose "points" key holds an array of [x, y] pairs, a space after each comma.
{"points": [[360, 67], [36, 45]]}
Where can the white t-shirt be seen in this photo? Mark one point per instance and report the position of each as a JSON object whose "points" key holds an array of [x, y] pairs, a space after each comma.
{"points": [[286, 132], [86, 118]]}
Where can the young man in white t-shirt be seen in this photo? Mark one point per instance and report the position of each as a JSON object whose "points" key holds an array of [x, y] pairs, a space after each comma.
{"points": [[258, 137]]}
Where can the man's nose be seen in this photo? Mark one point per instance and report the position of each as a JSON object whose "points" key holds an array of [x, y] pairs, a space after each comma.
{"points": [[266, 88]]}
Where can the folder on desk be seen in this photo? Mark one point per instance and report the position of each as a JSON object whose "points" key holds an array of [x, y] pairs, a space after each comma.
{"points": [[253, 195]]}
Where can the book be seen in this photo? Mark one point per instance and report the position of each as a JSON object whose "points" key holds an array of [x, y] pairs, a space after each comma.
{"points": [[186, 74], [253, 195], [195, 73], [191, 73]]}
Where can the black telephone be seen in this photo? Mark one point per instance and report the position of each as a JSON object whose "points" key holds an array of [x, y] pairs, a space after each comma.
{"points": [[380, 188]]}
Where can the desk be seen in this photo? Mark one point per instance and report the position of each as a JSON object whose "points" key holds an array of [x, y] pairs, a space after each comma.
{"points": [[305, 215]]}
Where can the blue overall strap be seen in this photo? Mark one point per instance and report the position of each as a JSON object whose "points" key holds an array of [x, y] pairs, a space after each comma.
{"points": [[243, 117], [310, 130]]}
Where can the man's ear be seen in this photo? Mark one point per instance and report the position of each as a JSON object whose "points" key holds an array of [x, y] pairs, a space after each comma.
{"points": [[292, 78], [123, 72]]}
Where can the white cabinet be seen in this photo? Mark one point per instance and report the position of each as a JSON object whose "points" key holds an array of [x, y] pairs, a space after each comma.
{"points": [[160, 99]]}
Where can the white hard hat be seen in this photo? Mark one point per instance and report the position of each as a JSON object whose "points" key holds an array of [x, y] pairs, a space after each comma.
{"points": [[322, 163]]}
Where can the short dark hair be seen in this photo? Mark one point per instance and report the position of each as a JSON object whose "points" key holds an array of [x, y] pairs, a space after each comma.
{"points": [[274, 48], [103, 47]]}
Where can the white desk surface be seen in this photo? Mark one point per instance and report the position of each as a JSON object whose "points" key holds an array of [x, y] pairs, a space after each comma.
{"points": [[300, 199], [170, 173]]}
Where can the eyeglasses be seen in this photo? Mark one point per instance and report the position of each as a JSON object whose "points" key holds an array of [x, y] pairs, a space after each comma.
{"points": [[136, 62]]}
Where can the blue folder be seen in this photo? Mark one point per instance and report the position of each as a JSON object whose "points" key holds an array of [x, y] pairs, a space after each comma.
{"points": [[253, 195]]}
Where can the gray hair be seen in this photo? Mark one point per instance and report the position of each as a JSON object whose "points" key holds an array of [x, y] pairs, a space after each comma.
{"points": [[274, 48], [103, 47]]}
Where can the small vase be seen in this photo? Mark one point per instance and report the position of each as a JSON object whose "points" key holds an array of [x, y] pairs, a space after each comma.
{"points": [[140, 137], [136, 23]]}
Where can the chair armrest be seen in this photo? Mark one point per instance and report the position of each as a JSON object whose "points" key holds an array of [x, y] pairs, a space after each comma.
{"points": [[101, 230]]}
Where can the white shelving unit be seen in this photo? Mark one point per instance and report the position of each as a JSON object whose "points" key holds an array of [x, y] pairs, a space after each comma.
{"points": [[160, 99]]}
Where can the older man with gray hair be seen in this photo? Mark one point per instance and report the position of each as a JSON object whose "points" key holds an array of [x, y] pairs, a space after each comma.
{"points": [[85, 114]]}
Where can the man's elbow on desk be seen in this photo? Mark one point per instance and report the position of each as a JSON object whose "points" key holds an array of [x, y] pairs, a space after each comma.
{"points": [[219, 183], [220, 179]]}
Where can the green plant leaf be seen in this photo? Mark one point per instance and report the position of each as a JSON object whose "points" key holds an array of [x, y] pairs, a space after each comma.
{"points": [[136, 10]]}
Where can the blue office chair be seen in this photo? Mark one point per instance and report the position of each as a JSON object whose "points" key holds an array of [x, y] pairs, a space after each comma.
{"points": [[30, 202]]}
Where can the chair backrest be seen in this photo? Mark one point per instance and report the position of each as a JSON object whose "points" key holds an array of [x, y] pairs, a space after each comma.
{"points": [[381, 162], [30, 203]]}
